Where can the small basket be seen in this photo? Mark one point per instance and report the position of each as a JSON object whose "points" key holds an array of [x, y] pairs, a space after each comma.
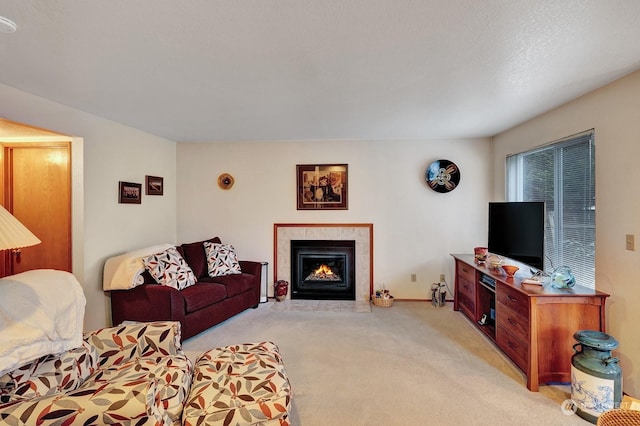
{"points": [[382, 302]]}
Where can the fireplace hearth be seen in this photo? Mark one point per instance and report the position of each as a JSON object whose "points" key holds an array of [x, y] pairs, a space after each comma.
{"points": [[323, 269]]}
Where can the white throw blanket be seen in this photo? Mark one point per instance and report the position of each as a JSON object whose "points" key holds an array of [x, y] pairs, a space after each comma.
{"points": [[41, 313], [125, 271]]}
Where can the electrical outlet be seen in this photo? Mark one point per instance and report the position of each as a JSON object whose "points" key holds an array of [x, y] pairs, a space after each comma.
{"points": [[414, 278], [631, 242], [441, 278]]}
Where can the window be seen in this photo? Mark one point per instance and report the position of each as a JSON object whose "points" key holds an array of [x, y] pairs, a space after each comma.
{"points": [[562, 174]]}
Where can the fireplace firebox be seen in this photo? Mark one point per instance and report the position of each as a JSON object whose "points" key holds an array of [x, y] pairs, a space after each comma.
{"points": [[323, 269]]}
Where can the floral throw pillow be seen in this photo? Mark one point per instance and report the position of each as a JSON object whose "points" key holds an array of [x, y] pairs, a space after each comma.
{"points": [[221, 259], [169, 268]]}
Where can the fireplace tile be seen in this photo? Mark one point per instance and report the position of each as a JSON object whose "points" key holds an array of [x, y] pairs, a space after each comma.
{"points": [[360, 233]]}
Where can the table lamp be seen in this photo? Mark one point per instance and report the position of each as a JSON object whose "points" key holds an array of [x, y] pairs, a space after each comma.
{"points": [[13, 234]]}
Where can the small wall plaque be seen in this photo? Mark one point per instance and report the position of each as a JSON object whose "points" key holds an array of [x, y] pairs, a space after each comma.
{"points": [[225, 181]]}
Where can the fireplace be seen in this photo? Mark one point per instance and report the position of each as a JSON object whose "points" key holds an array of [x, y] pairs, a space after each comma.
{"points": [[323, 269]]}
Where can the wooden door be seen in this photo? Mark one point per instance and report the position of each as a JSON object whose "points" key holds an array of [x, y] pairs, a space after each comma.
{"points": [[37, 190]]}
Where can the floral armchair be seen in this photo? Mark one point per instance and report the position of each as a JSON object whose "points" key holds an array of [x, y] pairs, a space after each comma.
{"points": [[132, 374]]}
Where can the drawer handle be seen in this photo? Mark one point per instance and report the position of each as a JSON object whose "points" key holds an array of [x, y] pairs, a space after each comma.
{"points": [[511, 298], [512, 322], [511, 345]]}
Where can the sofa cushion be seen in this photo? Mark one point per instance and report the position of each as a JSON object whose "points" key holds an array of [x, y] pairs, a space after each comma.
{"points": [[221, 259], [235, 284], [202, 295], [173, 374], [123, 403], [116, 345], [196, 257], [169, 268], [49, 374]]}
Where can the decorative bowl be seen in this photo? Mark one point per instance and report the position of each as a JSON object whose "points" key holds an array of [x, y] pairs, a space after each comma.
{"points": [[510, 270], [494, 261]]}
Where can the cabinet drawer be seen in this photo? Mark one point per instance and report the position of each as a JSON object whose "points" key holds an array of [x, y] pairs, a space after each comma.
{"points": [[467, 272], [466, 288], [515, 348], [515, 322], [512, 299]]}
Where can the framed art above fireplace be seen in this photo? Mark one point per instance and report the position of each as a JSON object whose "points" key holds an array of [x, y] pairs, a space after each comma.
{"points": [[322, 186]]}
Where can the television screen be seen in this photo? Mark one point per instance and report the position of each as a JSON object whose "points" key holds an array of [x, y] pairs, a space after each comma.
{"points": [[516, 230]]}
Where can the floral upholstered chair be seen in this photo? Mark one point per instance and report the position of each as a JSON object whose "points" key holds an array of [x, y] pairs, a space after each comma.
{"points": [[51, 373], [131, 374]]}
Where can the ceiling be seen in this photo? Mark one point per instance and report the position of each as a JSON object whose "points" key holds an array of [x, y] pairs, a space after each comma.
{"points": [[234, 70]]}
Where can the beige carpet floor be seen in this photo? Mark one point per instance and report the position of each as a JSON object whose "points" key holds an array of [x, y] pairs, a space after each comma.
{"points": [[322, 306], [411, 364]]}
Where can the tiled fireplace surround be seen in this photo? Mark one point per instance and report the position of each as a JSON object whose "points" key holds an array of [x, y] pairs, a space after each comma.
{"points": [[361, 233]]}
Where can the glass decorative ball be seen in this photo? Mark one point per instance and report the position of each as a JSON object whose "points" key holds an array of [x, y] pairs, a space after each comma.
{"points": [[562, 277]]}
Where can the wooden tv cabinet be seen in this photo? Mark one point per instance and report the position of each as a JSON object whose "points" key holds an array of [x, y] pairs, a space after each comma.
{"points": [[532, 325]]}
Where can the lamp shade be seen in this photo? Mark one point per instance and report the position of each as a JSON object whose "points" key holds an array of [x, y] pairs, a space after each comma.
{"points": [[14, 234]]}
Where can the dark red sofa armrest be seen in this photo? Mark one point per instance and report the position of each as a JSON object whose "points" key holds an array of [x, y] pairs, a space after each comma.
{"points": [[251, 267], [147, 302]]}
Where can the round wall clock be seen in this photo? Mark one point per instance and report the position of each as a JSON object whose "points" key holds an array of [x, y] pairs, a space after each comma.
{"points": [[225, 181], [443, 176]]}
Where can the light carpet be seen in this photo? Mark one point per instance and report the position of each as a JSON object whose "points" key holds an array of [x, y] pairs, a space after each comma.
{"points": [[411, 364], [360, 306]]}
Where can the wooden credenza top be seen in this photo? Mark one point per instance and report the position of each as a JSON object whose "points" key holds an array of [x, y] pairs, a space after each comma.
{"points": [[523, 273]]}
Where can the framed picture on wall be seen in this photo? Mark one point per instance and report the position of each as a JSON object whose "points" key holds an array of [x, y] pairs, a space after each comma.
{"points": [[155, 185], [130, 193], [322, 186]]}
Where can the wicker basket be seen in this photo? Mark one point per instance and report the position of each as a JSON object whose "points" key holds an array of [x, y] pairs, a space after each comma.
{"points": [[383, 303], [619, 417]]}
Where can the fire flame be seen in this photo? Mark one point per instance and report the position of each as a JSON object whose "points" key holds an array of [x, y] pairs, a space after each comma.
{"points": [[324, 270]]}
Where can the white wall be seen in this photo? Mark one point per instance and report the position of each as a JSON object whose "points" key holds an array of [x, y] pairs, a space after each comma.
{"points": [[614, 112], [415, 228], [111, 152]]}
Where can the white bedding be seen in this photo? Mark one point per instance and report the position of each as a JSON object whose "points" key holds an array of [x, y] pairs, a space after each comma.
{"points": [[41, 312], [125, 271]]}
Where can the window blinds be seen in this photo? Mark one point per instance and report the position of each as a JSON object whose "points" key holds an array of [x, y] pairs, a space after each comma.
{"points": [[562, 174]]}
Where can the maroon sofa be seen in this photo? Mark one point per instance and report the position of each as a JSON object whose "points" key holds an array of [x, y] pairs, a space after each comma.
{"points": [[198, 307]]}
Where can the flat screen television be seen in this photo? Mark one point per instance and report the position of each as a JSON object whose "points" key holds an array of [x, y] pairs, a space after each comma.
{"points": [[516, 230]]}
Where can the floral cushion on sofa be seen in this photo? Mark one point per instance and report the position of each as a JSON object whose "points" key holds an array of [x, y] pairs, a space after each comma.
{"points": [[221, 259], [172, 373], [49, 374], [169, 268], [94, 403], [121, 343], [137, 350]]}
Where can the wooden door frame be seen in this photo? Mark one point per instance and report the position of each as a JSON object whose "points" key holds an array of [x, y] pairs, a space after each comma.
{"points": [[17, 132], [6, 186]]}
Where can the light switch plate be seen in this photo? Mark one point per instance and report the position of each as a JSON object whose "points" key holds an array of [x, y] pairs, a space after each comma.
{"points": [[631, 242]]}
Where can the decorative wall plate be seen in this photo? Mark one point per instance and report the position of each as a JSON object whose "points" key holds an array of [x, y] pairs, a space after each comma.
{"points": [[443, 176], [225, 181]]}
